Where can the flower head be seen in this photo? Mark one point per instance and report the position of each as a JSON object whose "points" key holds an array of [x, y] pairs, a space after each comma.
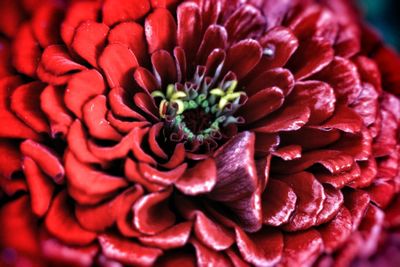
{"points": [[208, 132]]}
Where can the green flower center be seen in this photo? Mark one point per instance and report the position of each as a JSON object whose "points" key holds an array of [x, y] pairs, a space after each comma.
{"points": [[199, 114]]}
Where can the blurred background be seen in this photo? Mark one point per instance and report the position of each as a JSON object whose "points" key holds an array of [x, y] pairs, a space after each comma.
{"points": [[384, 15]]}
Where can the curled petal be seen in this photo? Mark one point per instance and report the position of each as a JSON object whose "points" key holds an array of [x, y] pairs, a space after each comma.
{"points": [[60, 222], [263, 248], [56, 61], [40, 187], [152, 214], [127, 251], [133, 174], [46, 160], [162, 177], [164, 67], [208, 257], [356, 201], [279, 202], [199, 179], [87, 185], [332, 204], [174, 237]]}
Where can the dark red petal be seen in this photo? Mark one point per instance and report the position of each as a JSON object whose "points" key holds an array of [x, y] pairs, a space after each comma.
{"points": [[189, 23], [278, 202], [310, 138], [77, 12], [52, 104], [46, 24], [336, 232], [127, 251], [164, 67], [89, 40], [19, 227], [356, 201], [333, 202], [10, 187], [48, 162], [75, 98], [242, 57], [318, 96], [26, 51], [310, 198], [341, 179], [368, 173], [388, 62], [198, 180], [392, 214], [146, 104], [301, 248], [263, 248], [344, 119], [162, 177], [133, 174], [359, 146], [278, 77], [290, 152], [208, 257], [87, 185], [25, 103], [261, 104], [130, 34], [215, 37], [11, 126], [118, 63], [119, 104], [146, 80], [40, 187], [142, 156], [290, 118], [94, 116], [381, 193], [98, 218], [237, 182], [160, 30], [332, 160], [178, 257], [60, 222], [211, 233], [152, 214], [6, 68], [342, 75], [311, 56], [10, 159], [12, 17], [174, 237], [119, 10], [56, 61], [266, 143]]}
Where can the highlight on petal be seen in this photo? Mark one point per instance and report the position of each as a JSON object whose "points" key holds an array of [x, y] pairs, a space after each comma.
{"points": [[160, 30]]}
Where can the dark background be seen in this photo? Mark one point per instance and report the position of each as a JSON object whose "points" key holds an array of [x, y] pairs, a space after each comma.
{"points": [[384, 15]]}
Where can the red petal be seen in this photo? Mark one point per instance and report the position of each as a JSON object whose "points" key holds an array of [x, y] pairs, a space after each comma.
{"points": [[6, 68], [366, 104], [290, 118], [368, 173], [26, 51], [77, 12], [174, 237], [310, 198], [52, 104], [89, 40], [118, 10], [127, 251], [381, 193], [342, 75], [310, 138], [198, 180], [146, 104], [19, 227], [11, 126], [118, 64], [94, 116], [12, 17], [286, 153], [189, 23], [155, 147], [10, 159], [146, 80], [131, 34], [336, 232], [164, 3], [212, 234], [333, 202], [215, 37], [208, 257], [263, 248], [177, 157], [119, 104], [25, 103], [133, 174], [40, 187], [242, 57], [164, 67], [318, 96], [61, 223], [301, 248], [48, 162], [261, 104], [152, 214], [56, 60], [75, 97], [87, 185], [392, 214], [279, 202], [278, 77], [385, 142], [46, 24], [10, 187], [340, 180], [160, 30], [311, 56], [356, 201], [137, 149]]}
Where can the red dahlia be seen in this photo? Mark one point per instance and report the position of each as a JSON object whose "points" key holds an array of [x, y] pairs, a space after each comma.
{"points": [[202, 132]]}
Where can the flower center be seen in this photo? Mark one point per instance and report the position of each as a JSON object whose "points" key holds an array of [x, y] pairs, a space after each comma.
{"points": [[198, 114]]}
